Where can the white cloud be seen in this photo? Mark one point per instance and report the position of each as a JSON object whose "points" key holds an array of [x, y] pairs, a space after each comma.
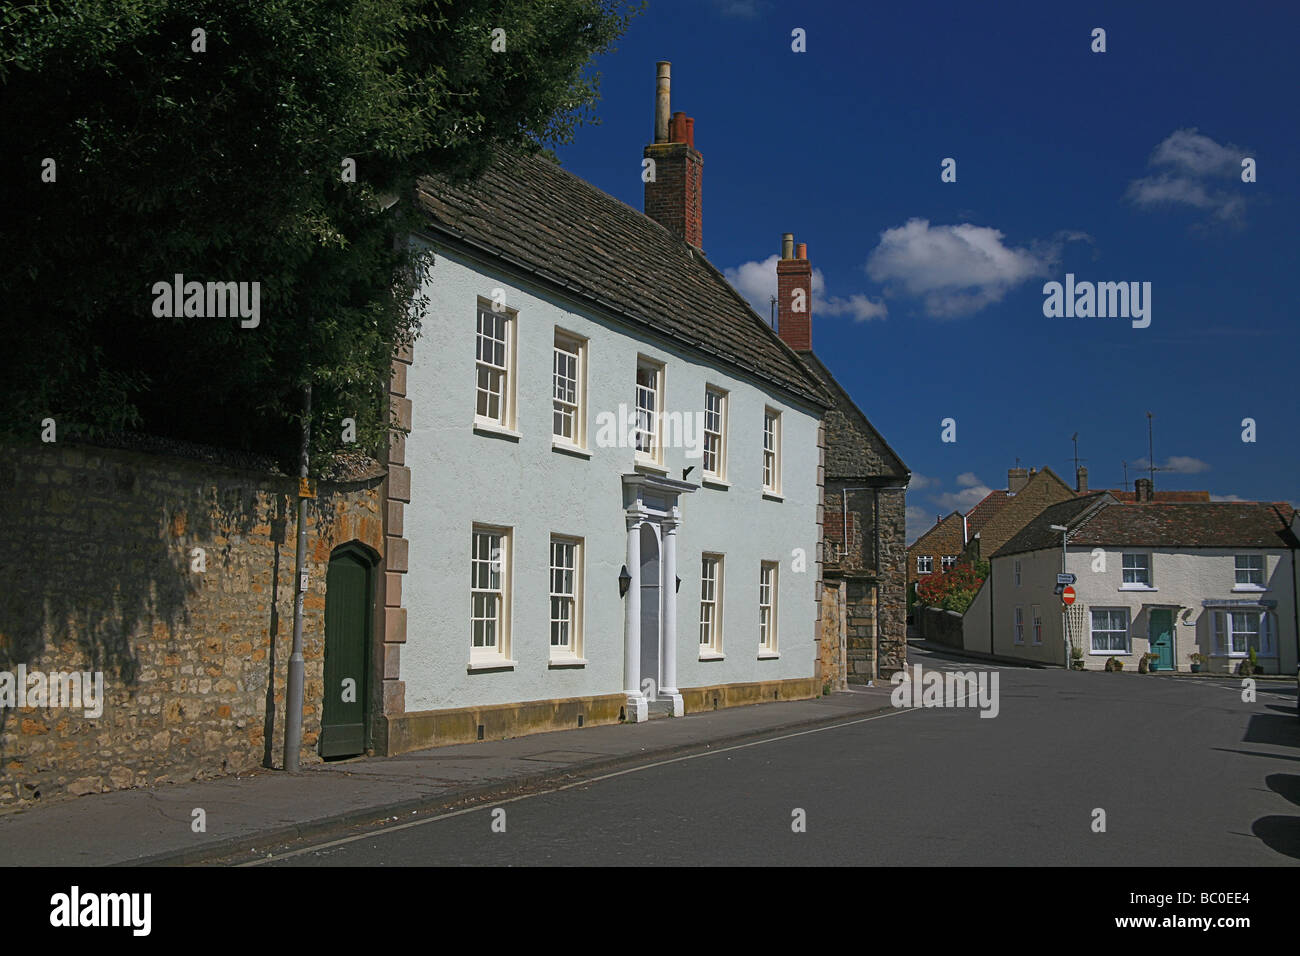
{"points": [[919, 521], [968, 479], [1227, 498], [963, 500], [1177, 465], [756, 281], [957, 270], [1193, 170], [919, 481]]}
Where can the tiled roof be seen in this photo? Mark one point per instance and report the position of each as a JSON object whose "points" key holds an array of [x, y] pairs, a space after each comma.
{"points": [[939, 525], [988, 506], [566, 232], [1213, 524], [1170, 496]]}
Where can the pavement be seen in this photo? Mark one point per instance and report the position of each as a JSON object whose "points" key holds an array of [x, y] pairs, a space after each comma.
{"points": [[267, 807]]}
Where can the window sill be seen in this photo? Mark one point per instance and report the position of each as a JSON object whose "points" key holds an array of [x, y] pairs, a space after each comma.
{"points": [[719, 483], [495, 430], [1110, 653], [773, 495], [1137, 587], [500, 664], [1249, 589], [651, 467], [565, 448], [710, 656], [768, 656], [562, 662]]}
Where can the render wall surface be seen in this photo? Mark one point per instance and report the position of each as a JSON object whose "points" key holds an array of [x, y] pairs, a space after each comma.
{"points": [[460, 476]]}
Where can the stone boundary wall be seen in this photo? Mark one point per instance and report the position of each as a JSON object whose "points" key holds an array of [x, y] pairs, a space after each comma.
{"points": [[100, 572], [943, 627]]}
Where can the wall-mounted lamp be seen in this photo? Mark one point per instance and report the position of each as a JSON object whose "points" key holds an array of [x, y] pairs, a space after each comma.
{"points": [[624, 582], [679, 585]]}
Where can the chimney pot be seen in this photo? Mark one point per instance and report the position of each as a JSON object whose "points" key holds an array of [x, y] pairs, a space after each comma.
{"points": [[787, 245], [663, 85], [690, 131], [801, 250], [1081, 480], [677, 128]]}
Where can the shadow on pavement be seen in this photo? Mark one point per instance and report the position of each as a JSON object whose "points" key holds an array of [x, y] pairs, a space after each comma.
{"points": [[1282, 730], [1279, 833]]}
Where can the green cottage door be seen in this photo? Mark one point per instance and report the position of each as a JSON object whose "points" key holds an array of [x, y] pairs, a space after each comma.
{"points": [[1162, 638], [347, 636]]}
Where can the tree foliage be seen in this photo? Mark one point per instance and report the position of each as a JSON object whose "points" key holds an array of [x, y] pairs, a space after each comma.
{"points": [[954, 589], [226, 164]]}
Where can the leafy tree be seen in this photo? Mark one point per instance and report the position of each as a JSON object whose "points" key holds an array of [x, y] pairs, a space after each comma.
{"points": [[220, 156], [954, 589]]}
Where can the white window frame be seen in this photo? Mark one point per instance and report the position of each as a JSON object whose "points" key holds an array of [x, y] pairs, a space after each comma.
{"points": [[1128, 632], [768, 585], [1146, 569], [570, 601], [502, 366], [1020, 624], [1238, 570], [771, 451], [1036, 623], [712, 572], [947, 562], [567, 348], [655, 454], [925, 564], [1265, 633], [1016, 568], [481, 564], [718, 434]]}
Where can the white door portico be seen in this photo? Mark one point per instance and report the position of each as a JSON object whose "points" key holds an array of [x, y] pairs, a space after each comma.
{"points": [[651, 512]]}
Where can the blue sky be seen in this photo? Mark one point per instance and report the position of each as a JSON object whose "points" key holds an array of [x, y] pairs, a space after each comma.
{"points": [[1114, 166]]}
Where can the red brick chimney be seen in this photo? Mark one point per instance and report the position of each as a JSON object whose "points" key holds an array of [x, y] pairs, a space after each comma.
{"points": [[1081, 480], [674, 197], [1017, 478], [1143, 489], [794, 295]]}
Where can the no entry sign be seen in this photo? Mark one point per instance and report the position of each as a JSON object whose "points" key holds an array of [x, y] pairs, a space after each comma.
{"points": [[1067, 596]]}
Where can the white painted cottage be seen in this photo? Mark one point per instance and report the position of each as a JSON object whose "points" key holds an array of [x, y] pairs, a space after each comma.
{"points": [[607, 506], [1171, 579]]}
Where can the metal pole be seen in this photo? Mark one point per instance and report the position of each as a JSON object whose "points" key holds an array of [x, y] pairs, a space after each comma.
{"points": [[293, 698]]}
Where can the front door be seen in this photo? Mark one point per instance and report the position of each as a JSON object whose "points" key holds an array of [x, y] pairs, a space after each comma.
{"points": [[1162, 638], [347, 635], [650, 676]]}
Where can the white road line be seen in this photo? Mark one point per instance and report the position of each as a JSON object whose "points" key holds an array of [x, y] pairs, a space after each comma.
{"points": [[568, 786]]}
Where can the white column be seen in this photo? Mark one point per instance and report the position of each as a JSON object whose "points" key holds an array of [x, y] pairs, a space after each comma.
{"points": [[636, 702], [668, 611]]}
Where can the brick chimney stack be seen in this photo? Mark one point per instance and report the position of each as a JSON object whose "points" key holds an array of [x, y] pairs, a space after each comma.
{"points": [[1017, 478], [1143, 489], [794, 295], [674, 198], [1081, 480]]}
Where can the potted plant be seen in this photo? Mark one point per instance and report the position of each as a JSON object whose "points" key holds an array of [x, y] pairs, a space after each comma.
{"points": [[1250, 665], [1114, 664], [1147, 663], [1076, 657], [1198, 660]]}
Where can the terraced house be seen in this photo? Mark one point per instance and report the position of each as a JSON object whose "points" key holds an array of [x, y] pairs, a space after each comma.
{"points": [[1171, 579], [608, 502]]}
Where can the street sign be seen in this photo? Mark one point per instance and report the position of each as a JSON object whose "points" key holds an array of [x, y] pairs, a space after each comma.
{"points": [[1067, 596], [1065, 579]]}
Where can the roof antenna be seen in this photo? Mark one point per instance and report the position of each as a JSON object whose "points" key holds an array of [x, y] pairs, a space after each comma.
{"points": [[1125, 464], [1151, 457]]}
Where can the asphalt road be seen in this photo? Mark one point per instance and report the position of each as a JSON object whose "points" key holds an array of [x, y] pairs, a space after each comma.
{"points": [[1185, 771]]}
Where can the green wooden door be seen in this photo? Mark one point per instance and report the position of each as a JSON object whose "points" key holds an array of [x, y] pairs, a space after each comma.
{"points": [[1162, 639], [347, 636]]}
